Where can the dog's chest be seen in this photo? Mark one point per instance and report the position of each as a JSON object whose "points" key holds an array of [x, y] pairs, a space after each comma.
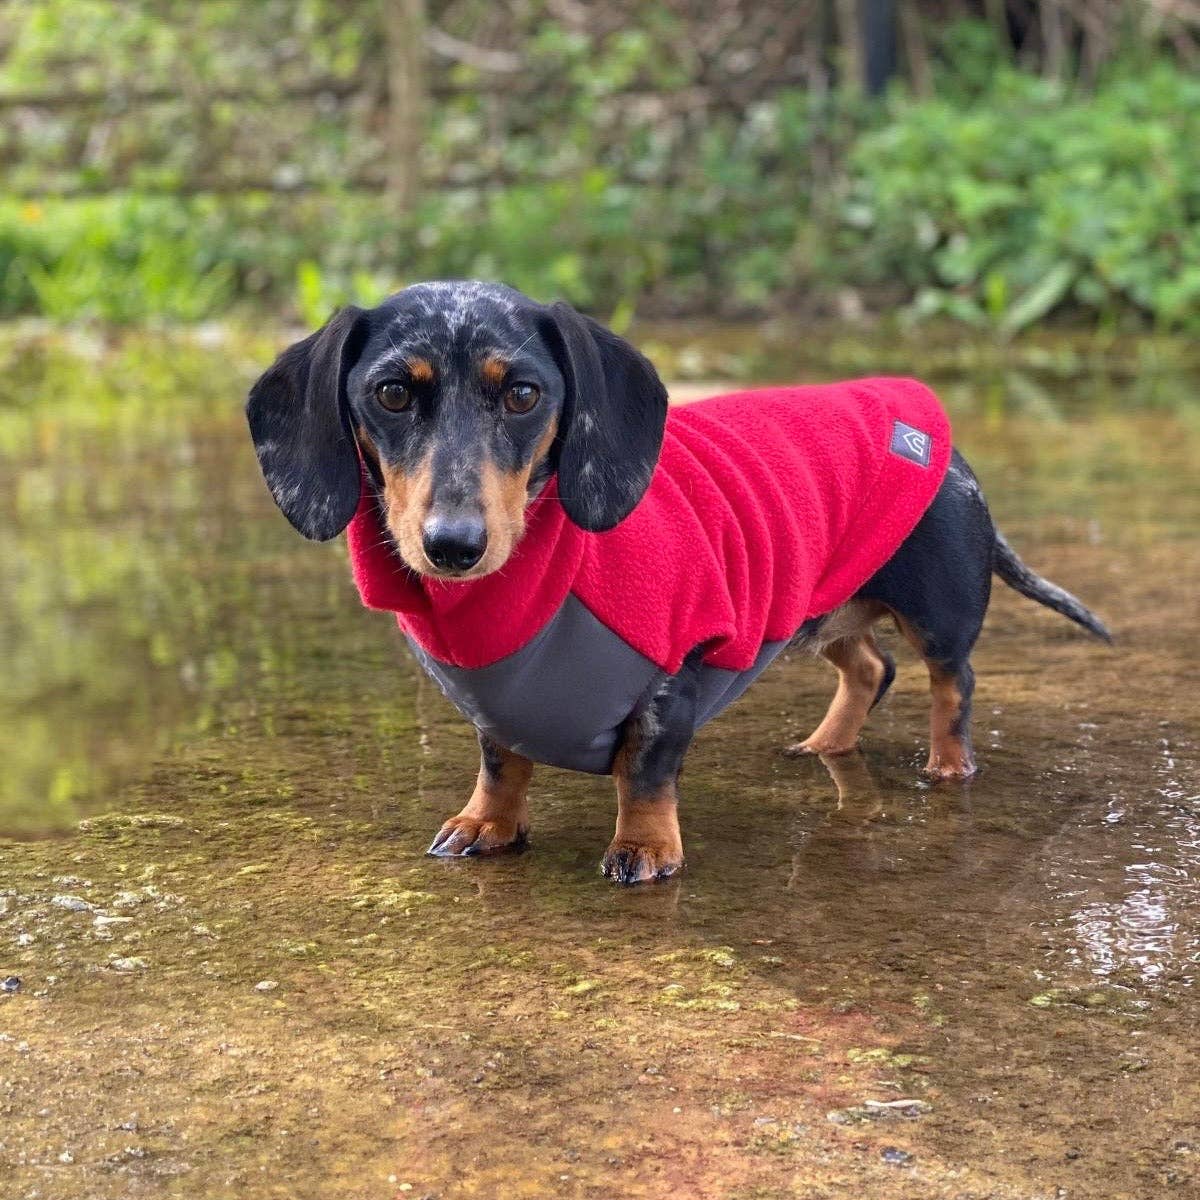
{"points": [[563, 697]]}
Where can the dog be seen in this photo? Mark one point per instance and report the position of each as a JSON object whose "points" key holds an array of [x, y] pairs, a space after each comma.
{"points": [[590, 579]]}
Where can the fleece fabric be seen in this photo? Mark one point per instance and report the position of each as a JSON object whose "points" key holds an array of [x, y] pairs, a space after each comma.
{"points": [[767, 508]]}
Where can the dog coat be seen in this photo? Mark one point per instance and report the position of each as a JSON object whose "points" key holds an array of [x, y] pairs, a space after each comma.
{"points": [[767, 508]]}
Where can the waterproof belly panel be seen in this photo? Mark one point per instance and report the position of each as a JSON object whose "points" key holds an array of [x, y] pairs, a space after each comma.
{"points": [[563, 697]]}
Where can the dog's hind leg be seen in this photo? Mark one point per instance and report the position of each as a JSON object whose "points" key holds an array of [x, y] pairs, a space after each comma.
{"points": [[951, 685], [937, 587], [865, 672], [497, 815]]}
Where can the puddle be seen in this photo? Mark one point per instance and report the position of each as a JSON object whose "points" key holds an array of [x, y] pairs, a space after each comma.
{"points": [[220, 774]]}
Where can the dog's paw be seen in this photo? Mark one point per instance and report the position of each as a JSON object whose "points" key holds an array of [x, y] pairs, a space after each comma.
{"points": [[468, 837], [633, 862], [943, 772], [811, 747]]}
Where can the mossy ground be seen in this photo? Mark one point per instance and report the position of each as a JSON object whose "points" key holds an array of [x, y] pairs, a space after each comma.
{"points": [[1016, 958]]}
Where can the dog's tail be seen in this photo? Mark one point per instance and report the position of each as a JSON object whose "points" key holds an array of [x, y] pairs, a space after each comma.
{"points": [[1019, 577]]}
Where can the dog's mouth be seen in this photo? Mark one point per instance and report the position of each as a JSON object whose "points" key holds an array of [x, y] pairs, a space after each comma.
{"points": [[415, 559], [451, 546], [447, 575]]}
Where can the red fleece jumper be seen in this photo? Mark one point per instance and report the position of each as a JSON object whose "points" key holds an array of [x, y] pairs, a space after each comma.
{"points": [[767, 508]]}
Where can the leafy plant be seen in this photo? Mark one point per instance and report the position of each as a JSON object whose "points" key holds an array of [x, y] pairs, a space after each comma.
{"points": [[1033, 199], [1001, 200]]}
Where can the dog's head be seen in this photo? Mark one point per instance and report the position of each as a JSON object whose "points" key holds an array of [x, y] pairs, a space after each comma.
{"points": [[463, 399]]}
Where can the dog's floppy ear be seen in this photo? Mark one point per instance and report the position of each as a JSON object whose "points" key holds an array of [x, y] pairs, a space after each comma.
{"points": [[301, 428], [612, 424]]}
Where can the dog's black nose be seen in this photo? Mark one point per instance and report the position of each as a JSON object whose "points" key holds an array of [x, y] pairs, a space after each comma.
{"points": [[454, 543]]}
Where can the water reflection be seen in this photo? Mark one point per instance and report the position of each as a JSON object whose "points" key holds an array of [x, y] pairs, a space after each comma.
{"points": [[152, 597], [1108, 895], [145, 587], [1130, 920], [1020, 953]]}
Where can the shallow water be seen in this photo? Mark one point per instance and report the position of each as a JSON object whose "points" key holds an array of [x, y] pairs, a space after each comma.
{"points": [[220, 772]]}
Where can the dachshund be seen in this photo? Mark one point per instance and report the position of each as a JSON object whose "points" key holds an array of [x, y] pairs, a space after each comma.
{"points": [[590, 577]]}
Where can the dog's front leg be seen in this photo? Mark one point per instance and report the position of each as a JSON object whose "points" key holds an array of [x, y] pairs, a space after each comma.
{"points": [[647, 844], [497, 815]]}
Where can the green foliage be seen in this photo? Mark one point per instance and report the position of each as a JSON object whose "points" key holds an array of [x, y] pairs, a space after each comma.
{"points": [[120, 260], [580, 239], [999, 201], [1031, 199]]}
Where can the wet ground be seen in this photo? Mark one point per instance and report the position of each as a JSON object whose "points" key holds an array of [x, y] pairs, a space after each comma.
{"points": [[238, 975]]}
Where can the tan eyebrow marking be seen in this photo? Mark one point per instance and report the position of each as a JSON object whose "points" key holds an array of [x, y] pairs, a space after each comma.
{"points": [[494, 369], [421, 369]]}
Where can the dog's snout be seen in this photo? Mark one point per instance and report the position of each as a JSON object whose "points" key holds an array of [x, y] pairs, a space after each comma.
{"points": [[454, 543]]}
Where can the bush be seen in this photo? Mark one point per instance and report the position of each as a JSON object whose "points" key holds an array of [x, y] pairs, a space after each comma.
{"points": [[1000, 200], [117, 259], [1031, 198]]}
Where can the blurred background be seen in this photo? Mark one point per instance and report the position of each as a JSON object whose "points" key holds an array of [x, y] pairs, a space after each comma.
{"points": [[990, 161], [1002, 196]]}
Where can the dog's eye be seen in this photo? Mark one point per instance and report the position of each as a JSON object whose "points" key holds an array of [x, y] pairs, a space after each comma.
{"points": [[395, 397], [521, 397]]}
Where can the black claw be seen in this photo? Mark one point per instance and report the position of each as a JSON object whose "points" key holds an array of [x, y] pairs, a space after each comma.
{"points": [[451, 845], [443, 846], [624, 866]]}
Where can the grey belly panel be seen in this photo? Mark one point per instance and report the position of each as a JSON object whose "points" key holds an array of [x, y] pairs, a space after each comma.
{"points": [[563, 697], [720, 688]]}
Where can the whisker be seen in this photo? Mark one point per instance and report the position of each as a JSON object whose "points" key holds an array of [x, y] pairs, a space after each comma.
{"points": [[524, 343]]}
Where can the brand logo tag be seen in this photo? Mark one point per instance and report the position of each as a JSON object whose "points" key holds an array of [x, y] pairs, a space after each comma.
{"points": [[911, 443]]}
